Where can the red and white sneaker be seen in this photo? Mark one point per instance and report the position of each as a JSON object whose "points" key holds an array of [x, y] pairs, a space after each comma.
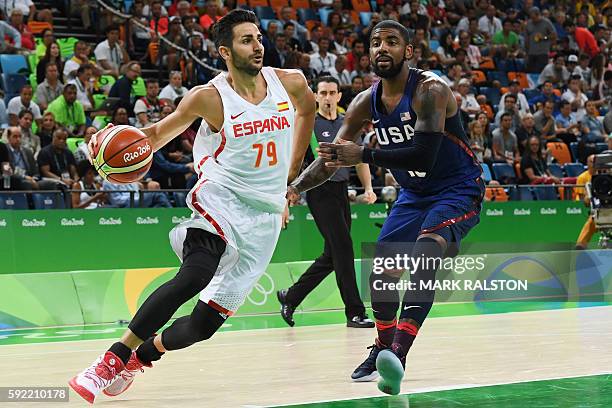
{"points": [[125, 379], [97, 377]]}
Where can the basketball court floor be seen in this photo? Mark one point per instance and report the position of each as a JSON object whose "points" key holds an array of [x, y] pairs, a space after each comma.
{"points": [[543, 358]]}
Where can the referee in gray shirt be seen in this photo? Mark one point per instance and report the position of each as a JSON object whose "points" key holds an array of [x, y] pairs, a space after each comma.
{"points": [[330, 208]]}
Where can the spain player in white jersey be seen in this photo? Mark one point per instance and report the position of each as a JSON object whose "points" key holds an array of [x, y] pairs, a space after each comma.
{"points": [[256, 126]]}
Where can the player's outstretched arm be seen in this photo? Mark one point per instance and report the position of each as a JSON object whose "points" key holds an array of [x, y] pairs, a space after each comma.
{"points": [[357, 115], [430, 102], [304, 101], [200, 102]]}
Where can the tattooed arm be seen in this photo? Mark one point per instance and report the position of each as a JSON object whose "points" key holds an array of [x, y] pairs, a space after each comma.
{"points": [[357, 115]]}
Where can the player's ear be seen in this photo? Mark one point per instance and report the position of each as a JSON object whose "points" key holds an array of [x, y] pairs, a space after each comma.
{"points": [[224, 52], [339, 96], [408, 51]]}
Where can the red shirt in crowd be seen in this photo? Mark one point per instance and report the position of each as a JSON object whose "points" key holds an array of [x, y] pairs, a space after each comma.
{"points": [[586, 41]]}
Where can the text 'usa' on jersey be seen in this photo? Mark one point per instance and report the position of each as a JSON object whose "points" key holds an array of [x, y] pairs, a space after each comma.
{"points": [[455, 161]]}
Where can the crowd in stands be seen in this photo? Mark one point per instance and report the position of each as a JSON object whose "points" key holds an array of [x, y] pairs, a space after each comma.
{"points": [[533, 79]]}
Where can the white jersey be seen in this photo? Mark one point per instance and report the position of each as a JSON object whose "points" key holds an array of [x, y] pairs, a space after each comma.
{"points": [[251, 153]]}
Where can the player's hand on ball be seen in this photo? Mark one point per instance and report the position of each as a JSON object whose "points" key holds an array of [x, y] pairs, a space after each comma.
{"points": [[340, 154], [93, 142]]}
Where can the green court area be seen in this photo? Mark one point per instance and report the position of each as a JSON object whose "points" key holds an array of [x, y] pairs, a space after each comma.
{"points": [[273, 321], [584, 392]]}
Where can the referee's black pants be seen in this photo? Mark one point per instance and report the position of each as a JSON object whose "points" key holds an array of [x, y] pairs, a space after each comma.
{"points": [[330, 208]]}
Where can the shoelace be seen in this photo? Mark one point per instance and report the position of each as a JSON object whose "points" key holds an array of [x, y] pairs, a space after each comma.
{"points": [[368, 361], [98, 380]]}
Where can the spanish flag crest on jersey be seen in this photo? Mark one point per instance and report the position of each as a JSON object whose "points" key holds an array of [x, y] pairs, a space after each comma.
{"points": [[282, 106]]}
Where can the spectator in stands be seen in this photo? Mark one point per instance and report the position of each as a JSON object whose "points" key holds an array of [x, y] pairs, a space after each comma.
{"points": [[323, 60], [418, 17], [21, 103], [168, 56], [50, 88], [122, 89], [47, 39], [292, 43], [68, 111], [28, 9], [546, 94], [478, 141], [81, 8], [602, 94], [468, 102], [84, 83], [182, 9], [472, 52], [52, 56], [82, 151], [526, 131], [148, 108], [506, 41], [583, 37], [583, 69], [211, 15], [364, 66], [174, 89], [304, 65], [505, 144], [81, 198], [489, 24], [56, 162], [6, 30], [300, 33], [45, 131], [521, 100], [158, 17], [111, 53], [533, 166], [556, 72], [340, 72], [545, 122], [510, 108], [169, 174], [454, 75], [29, 139], [588, 230], [21, 159], [119, 195], [27, 38], [446, 50], [80, 57], [340, 43], [137, 36], [540, 36], [566, 123], [575, 96], [595, 131], [352, 58]]}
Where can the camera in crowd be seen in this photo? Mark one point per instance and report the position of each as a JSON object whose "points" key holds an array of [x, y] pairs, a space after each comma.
{"points": [[600, 196]]}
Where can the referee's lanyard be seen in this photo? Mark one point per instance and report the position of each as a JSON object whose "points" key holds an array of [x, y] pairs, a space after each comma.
{"points": [[115, 57]]}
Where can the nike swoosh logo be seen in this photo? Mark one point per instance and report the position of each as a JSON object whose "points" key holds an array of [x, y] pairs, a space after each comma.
{"points": [[235, 116], [375, 121], [409, 307]]}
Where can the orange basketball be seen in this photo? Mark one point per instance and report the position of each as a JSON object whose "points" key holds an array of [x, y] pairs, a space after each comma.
{"points": [[123, 154]]}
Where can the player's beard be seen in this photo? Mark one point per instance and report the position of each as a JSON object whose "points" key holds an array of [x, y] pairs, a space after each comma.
{"points": [[245, 64], [390, 72]]}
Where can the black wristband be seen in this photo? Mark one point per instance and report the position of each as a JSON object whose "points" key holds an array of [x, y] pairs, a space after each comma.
{"points": [[367, 155]]}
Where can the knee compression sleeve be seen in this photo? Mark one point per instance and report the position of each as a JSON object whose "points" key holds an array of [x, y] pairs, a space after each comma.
{"points": [[203, 322]]}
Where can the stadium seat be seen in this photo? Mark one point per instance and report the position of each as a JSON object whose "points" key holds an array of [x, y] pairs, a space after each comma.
{"points": [[73, 143], [14, 64], [307, 14], [544, 192], [67, 46], [138, 87], [531, 93], [361, 5], [574, 169], [278, 4], [127, 5], [433, 45], [533, 80], [48, 201], [266, 12], [258, 3], [556, 170], [493, 95], [497, 194], [300, 4], [486, 172], [13, 201], [601, 147], [504, 173], [574, 150], [560, 152], [521, 77], [478, 77], [502, 77], [13, 83], [521, 193], [365, 17]]}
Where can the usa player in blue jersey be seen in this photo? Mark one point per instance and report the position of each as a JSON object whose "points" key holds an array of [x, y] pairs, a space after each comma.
{"points": [[418, 127]]}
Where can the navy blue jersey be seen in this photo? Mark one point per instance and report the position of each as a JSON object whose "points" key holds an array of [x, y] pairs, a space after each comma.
{"points": [[455, 163]]}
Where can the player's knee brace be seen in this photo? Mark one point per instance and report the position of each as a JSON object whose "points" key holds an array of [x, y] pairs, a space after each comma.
{"points": [[203, 322], [385, 301]]}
